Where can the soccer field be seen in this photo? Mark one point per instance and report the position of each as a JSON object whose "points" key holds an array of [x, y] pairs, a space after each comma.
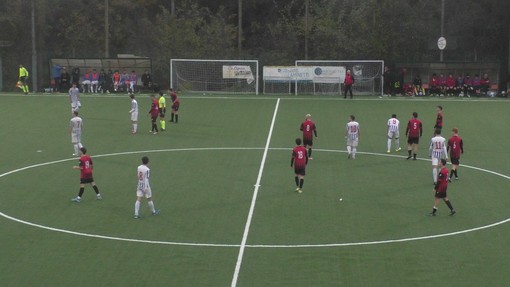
{"points": [[230, 215]]}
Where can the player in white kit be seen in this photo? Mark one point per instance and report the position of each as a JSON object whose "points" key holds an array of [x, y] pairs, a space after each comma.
{"points": [[437, 151], [393, 132], [144, 189], [352, 134], [74, 97], [134, 114], [75, 129]]}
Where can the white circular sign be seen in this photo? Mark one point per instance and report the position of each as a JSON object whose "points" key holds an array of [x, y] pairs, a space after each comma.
{"points": [[441, 43]]}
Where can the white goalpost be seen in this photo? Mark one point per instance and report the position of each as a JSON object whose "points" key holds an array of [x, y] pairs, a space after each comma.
{"points": [[327, 76], [215, 76]]}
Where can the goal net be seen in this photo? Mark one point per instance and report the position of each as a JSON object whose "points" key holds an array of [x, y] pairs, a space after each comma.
{"points": [[327, 77], [214, 76]]}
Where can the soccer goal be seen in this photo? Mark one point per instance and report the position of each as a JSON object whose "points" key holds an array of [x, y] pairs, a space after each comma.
{"points": [[215, 76], [327, 77]]}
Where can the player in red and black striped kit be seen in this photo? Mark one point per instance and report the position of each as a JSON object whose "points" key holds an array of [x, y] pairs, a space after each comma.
{"points": [[85, 168], [299, 160], [154, 112], [175, 106], [455, 147], [309, 130], [439, 118], [414, 131], [440, 189]]}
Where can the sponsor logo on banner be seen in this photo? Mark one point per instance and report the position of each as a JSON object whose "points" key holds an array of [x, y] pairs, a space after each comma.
{"points": [[316, 74], [238, 72]]}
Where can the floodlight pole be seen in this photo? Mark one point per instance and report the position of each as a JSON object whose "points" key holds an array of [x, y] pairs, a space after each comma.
{"points": [[442, 29], [307, 5], [106, 30], [239, 26], [34, 51]]}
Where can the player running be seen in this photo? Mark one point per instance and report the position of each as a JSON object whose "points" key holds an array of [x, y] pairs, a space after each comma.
{"points": [[440, 189]]}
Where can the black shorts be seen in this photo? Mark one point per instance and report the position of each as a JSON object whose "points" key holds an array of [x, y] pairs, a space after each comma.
{"points": [[308, 142], [413, 140], [162, 113], [300, 171], [455, 161], [440, 194], [23, 79], [86, 180], [175, 108]]}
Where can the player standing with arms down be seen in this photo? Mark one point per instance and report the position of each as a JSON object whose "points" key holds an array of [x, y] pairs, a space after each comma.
{"points": [[144, 188], [439, 118], [299, 160], [85, 168], [309, 130], [134, 114], [440, 189], [75, 129], [414, 131], [74, 98], [437, 151], [456, 148], [162, 110], [154, 112], [348, 82], [393, 132], [175, 106], [352, 135]]}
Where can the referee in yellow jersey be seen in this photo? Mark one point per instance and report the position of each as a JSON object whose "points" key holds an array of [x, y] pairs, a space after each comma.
{"points": [[23, 76], [162, 110]]}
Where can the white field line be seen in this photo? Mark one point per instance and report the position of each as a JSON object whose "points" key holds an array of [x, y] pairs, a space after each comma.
{"points": [[254, 199], [198, 244]]}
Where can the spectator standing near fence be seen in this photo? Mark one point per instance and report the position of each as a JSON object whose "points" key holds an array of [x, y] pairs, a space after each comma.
{"points": [[146, 80], [56, 70], [75, 75], [387, 89], [65, 80], [348, 83]]}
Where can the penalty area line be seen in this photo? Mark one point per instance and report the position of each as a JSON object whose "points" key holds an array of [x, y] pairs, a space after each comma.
{"points": [[254, 199]]}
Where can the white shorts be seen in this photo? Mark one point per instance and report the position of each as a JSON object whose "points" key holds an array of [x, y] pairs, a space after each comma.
{"points": [[146, 194], [86, 82], [393, 134], [134, 116], [435, 160], [353, 143], [75, 106], [94, 82], [75, 138]]}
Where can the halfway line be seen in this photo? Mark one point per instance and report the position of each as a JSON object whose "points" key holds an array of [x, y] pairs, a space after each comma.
{"points": [[254, 199]]}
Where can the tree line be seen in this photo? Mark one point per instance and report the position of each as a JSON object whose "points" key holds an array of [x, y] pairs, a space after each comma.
{"points": [[276, 32]]}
